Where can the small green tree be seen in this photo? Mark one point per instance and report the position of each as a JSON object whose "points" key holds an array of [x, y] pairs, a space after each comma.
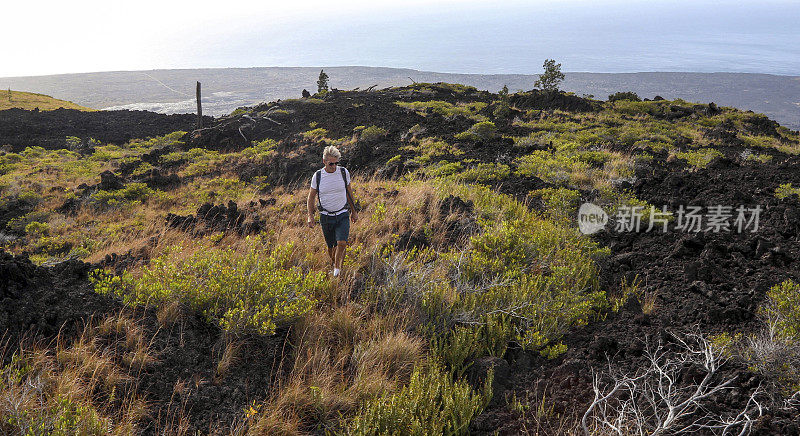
{"points": [[503, 108], [322, 82], [551, 78], [503, 94]]}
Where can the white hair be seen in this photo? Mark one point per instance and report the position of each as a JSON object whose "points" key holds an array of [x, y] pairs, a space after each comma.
{"points": [[331, 151]]}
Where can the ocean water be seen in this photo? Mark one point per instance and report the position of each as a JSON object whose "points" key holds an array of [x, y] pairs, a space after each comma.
{"points": [[516, 36]]}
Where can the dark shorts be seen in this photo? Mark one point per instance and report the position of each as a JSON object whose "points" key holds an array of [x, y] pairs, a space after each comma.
{"points": [[335, 228]]}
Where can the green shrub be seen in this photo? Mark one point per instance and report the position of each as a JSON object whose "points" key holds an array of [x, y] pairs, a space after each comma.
{"points": [[20, 223], [36, 228], [482, 131], [429, 148], [629, 107], [61, 416], [130, 194], [107, 153], [540, 274], [553, 167], [782, 309], [260, 150], [757, 157], [395, 160], [699, 158], [486, 173], [33, 152], [444, 169], [142, 169], [786, 190], [431, 404], [9, 162], [250, 291], [372, 133], [560, 203], [461, 345], [444, 108], [628, 95], [315, 134]]}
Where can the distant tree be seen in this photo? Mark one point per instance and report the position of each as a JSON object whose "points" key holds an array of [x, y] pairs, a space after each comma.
{"points": [[551, 78], [503, 108], [322, 82], [627, 95], [306, 94], [503, 94]]}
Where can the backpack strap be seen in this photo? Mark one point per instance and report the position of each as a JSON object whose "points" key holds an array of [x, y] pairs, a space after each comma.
{"points": [[346, 193], [317, 177]]}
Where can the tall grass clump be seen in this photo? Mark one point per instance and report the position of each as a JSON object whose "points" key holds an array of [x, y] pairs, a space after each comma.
{"points": [[77, 388]]}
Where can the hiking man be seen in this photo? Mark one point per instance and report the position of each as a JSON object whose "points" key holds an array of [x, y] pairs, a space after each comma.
{"points": [[330, 186]]}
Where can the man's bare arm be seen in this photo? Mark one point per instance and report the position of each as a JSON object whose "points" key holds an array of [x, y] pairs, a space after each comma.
{"points": [[350, 198], [350, 201], [312, 196]]}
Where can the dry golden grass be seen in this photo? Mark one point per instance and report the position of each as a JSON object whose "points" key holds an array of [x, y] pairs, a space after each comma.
{"points": [[169, 314], [230, 355], [342, 356], [30, 101], [78, 385]]}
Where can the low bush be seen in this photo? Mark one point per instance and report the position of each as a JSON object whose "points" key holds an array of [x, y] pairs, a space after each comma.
{"points": [[482, 131], [428, 148], [372, 134], [259, 151], [252, 290], [560, 203], [315, 134], [444, 108], [132, 193], [627, 95], [699, 158], [431, 403], [786, 190], [552, 167], [486, 173], [782, 310]]}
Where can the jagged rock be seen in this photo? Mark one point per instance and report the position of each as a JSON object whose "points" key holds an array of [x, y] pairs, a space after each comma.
{"points": [[110, 181]]}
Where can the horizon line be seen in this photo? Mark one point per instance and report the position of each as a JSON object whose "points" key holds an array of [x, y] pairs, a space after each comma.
{"points": [[391, 68]]}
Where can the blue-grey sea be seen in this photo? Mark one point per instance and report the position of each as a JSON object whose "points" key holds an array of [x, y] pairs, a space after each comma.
{"points": [[516, 36]]}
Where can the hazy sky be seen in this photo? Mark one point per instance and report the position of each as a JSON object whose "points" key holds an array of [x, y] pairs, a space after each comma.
{"points": [[453, 35]]}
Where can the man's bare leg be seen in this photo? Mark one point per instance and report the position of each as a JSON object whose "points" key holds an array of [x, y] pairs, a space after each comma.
{"points": [[332, 254], [340, 247]]}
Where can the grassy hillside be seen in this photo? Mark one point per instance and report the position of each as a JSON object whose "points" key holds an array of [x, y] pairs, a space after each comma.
{"points": [[469, 303], [30, 101]]}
